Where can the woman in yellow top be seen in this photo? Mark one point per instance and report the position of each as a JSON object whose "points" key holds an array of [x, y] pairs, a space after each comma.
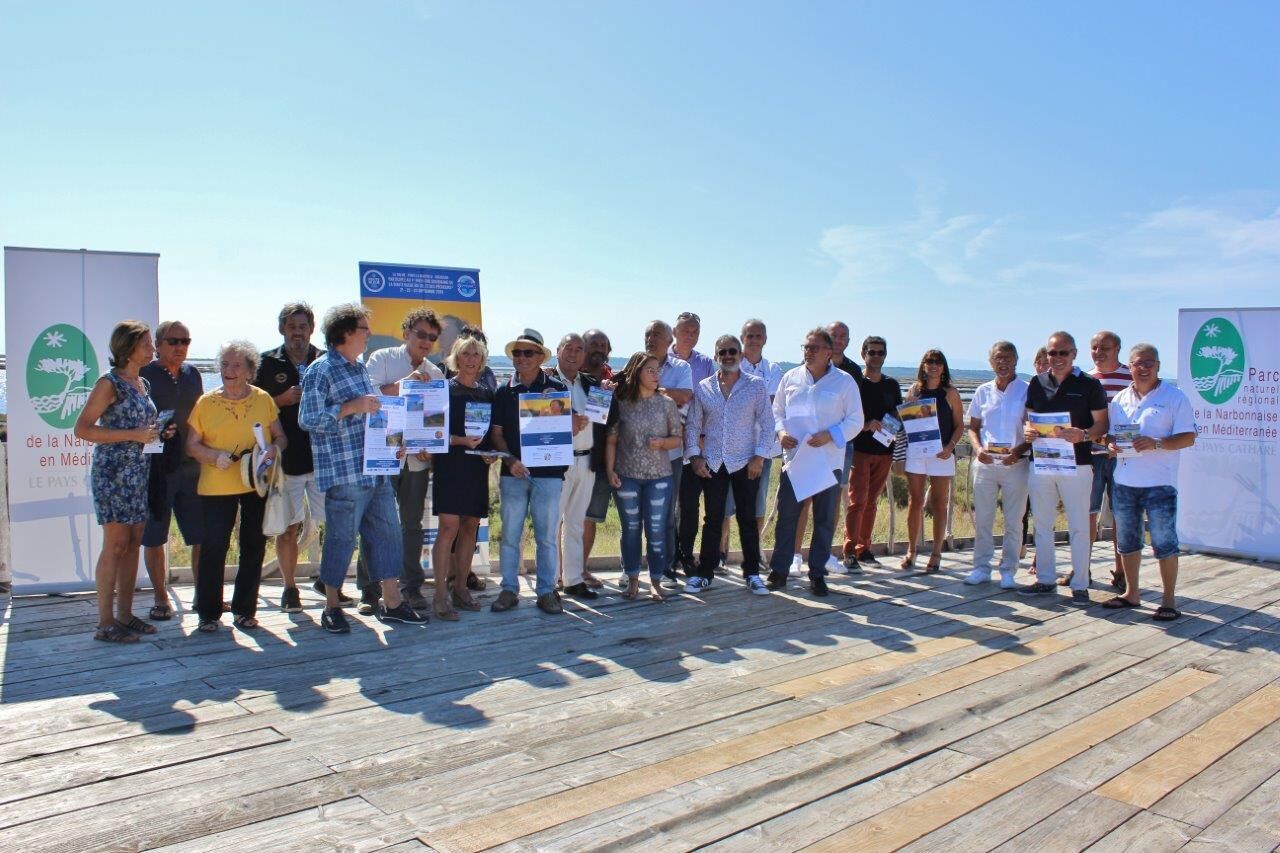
{"points": [[219, 433]]}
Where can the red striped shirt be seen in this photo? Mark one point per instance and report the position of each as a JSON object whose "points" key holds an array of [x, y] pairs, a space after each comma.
{"points": [[1113, 382]]}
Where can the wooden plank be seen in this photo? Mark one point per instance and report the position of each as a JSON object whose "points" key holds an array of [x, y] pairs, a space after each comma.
{"points": [[513, 823], [1073, 826], [1250, 824], [905, 823], [1146, 831], [1144, 784], [1216, 789]]}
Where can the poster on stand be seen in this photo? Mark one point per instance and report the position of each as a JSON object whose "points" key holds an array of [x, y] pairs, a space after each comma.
{"points": [[392, 291]]}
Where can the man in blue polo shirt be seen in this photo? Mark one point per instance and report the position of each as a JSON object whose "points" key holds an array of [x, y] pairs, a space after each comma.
{"points": [[526, 491]]}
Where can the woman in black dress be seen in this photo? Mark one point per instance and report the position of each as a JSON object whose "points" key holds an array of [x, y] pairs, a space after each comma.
{"points": [[460, 486]]}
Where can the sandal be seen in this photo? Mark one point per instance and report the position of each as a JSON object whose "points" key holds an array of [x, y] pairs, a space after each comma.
{"points": [[908, 562], [137, 626], [209, 626], [1166, 614], [1118, 603], [475, 583], [160, 613], [467, 604], [245, 623], [632, 590], [591, 580], [934, 564], [446, 614], [115, 633]]}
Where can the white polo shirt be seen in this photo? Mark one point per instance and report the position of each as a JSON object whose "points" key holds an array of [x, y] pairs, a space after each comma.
{"points": [[1001, 412], [771, 374], [1163, 412]]}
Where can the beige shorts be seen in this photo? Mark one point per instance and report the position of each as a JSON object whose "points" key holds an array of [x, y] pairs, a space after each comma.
{"points": [[302, 490]]}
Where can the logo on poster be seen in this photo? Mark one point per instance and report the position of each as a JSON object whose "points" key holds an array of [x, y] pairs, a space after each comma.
{"points": [[466, 286], [61, 370], [1217, 353], [374, 281]]}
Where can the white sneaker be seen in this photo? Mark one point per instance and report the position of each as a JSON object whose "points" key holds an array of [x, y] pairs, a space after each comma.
{"points": [[797, 566], [697, 584], [835, 566], [1007, 581], [978, 576], [755, 586]]}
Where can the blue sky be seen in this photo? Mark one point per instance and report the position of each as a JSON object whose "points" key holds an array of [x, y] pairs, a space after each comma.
{"points": [[943, 174]]}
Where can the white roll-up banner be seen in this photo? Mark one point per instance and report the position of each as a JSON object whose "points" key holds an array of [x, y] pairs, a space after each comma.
{"points": [[60, 308], [1229, 480]]}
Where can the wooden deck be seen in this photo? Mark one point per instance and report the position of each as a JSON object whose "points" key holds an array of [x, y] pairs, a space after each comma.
{"points": [[903, 711]]}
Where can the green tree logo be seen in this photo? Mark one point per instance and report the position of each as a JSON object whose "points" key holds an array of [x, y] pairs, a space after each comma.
{"points": [[1217, 361], [61, 370]]}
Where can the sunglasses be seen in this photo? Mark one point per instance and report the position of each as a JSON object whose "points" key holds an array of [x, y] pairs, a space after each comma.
{"points": [[525, 353], [177, 342], [727, 351], [932, 361], [425, 336], [239, 454], [872, 352], [1060, 353], [689, 315]]}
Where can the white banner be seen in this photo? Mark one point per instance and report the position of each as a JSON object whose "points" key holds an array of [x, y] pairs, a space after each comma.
{"points": [[1229, 480], [60, 308]]}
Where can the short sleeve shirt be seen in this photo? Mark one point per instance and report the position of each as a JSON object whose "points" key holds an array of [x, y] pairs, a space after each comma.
{"points": [[1163, 412], [506, 414], [633, 425], [1079, 394], [179, 395], [1001, 412], [227, 425], [677, 374], [878, 399], [278, 373]]}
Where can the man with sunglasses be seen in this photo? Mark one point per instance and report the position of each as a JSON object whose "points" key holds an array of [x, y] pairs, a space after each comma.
{"points": [[526, 492], [819, 404], [880, 395], [1065, 388], [687, 331], [421, 329], [280, 373], [175, 387], [727, 435]]}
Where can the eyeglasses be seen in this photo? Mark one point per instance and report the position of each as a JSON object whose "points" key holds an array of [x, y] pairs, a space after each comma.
{"points": [[651, 370], [177, 342], [360, 328], [525, 353], [874, 352], [425, 336], [1144, 363], [727, 351], [1060, 353]]}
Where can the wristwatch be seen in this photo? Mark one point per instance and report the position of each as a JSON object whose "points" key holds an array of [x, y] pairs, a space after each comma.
{"points": [[1159, 444]]}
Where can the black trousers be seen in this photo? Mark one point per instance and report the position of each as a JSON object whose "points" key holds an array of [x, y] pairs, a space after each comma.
{"points": [[219, 519], [715, 491], [691, 489]]}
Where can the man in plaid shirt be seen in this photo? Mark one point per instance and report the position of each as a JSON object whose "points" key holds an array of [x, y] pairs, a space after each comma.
{"points": [[336, 395]]}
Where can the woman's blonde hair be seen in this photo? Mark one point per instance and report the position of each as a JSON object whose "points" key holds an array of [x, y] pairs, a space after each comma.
{"points": [[461, 345]]}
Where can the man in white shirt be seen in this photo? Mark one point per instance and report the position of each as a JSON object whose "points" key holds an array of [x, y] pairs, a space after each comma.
{"points": [[1147, 474], [817, 404], [579, 479], [996, 413], [421, 329], [676, 382]]}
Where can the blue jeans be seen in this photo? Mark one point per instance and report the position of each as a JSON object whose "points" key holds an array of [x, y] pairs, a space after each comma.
{"points": [[1104, 480], [642, 506], [371, 512], [538, 497], [673, 521], [1160, 503], [823, 512]]}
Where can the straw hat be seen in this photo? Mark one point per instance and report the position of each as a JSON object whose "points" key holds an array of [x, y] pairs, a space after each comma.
{"points": [[528, 336]]}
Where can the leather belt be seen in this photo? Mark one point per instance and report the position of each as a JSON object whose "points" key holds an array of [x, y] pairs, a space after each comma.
{"points": [[582, 453]]}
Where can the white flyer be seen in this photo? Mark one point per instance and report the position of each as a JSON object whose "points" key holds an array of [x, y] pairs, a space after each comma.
{"points": [[426, 415], [546, 429], [384, 437]]}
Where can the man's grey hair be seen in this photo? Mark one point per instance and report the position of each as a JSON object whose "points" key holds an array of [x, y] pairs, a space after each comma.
{"points": [[840, 323], [730, 339], [162, 330], [571, 338], [244, 349], [1107, 333], [755, 321], [659, 324], [1002, 346], [1144, 347]]}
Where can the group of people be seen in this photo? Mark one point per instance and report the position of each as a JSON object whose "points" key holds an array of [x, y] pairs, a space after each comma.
{"points": [[688, 435]]}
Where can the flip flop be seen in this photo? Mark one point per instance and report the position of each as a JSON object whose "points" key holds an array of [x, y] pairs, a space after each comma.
{"points": [[464, 604], [1118, 603], [1166, 614], [160, 613], [448, 614], [245, 623]]}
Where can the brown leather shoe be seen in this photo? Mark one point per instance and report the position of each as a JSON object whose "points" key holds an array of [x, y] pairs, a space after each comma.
{"points": [[506, 601], [550, 603]]}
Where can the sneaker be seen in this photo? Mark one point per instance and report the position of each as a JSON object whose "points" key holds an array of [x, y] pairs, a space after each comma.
{"points": [[506, 601], [367, 606], [1038, 589], [755, 586], [550, 603], [978, 576], [835, 567], [722, 567], [581, 590], [818, 587], [343, 600], [797, 566], [402, 612], [851, 566], [1007, 581], [866, 558], [334, 621], [291, 600], [697, 584], [1080, 597], [776, 581], [413, 598]]}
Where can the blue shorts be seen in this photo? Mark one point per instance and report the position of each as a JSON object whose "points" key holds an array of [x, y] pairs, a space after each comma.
{"points": [[180, 501], [1160, 506], [1104, 479]]}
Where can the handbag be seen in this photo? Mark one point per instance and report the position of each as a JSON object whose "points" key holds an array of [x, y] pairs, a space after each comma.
{"points": [[278, 512]]}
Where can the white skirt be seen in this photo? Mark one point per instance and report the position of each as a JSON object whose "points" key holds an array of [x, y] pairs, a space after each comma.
{"points": [[932, 466]]}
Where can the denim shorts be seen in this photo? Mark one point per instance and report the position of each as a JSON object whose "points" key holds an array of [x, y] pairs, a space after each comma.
{"points": [[1104, 479], [601, 492], [1160, 505]]}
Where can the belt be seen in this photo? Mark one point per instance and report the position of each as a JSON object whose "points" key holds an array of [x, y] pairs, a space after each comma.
{"points": [[582, 453]]}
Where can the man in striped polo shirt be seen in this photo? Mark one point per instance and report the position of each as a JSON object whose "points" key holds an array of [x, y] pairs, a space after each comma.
{"points": [[1115, 377]]}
